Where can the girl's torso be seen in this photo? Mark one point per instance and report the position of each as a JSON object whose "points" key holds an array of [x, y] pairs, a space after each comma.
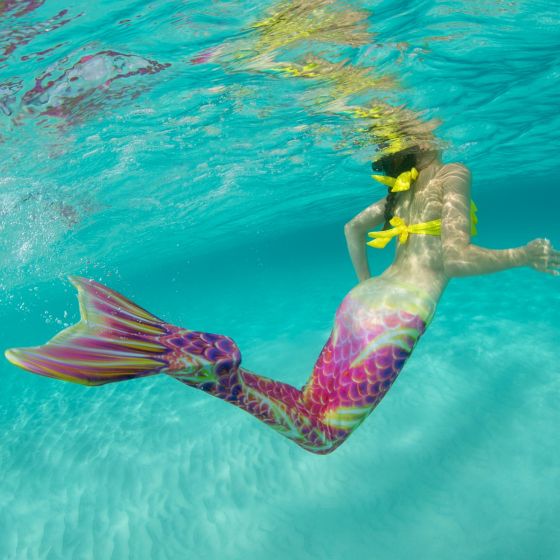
{"points": [[415, 281], [419, 261]]}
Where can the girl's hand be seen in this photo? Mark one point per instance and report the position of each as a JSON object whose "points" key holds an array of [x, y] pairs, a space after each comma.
{"points": [[543, 257]]}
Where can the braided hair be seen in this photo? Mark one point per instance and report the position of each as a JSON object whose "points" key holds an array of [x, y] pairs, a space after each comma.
{"points": [[394, 165]]}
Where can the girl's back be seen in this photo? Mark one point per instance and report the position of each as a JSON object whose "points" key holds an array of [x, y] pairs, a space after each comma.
{"points": [[420, 258]]}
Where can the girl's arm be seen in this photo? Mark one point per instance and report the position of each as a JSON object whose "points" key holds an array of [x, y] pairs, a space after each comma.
{"points": [[355, 231], [461, 257]]}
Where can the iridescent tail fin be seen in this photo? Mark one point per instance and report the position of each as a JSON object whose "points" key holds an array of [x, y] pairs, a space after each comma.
{"points": [[115, 340]]}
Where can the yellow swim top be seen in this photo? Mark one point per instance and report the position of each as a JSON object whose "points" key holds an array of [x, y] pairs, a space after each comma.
{"points": [[400, 229]]}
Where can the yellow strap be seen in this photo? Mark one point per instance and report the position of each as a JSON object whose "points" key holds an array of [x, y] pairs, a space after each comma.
{"points": [[474, 218], [400, 183], [400, 229]]}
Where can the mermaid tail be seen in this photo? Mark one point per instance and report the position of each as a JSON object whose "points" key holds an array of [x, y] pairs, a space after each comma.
{"points": [[376, 328], [114, 340], [117, 340]]}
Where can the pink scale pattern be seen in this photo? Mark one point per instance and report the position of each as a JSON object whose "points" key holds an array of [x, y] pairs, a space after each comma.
{"points": [[117, 340]]}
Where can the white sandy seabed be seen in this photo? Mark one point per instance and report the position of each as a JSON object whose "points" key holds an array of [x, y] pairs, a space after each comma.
{"points": [[459, 461]]}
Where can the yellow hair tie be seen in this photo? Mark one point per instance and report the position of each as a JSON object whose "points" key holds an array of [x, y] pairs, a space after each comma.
{"points": [[400, 183]]}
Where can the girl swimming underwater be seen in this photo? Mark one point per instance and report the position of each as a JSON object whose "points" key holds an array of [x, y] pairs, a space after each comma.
{"points": [[375, 330]]}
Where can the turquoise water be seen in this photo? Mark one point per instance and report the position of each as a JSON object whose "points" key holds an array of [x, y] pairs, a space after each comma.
{"points": [[216, 199]]}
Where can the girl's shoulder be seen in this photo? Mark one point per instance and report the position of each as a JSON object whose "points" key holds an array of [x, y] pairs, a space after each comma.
{"points": [[454, 175], [454, 168]]}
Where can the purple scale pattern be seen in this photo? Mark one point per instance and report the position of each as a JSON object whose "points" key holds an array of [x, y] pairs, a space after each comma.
{"points": [[117, 340]]}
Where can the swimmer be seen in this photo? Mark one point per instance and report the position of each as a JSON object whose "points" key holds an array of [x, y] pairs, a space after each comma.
{"points": [[375, 329]]}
